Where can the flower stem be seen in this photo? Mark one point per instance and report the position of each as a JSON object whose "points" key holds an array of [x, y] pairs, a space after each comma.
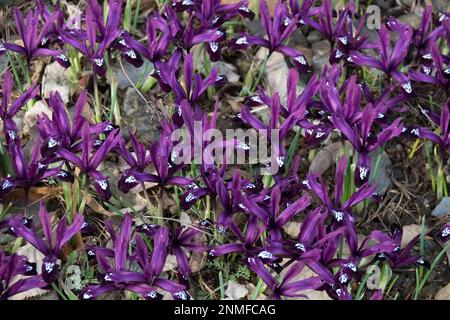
{"points": [[97, 107]]}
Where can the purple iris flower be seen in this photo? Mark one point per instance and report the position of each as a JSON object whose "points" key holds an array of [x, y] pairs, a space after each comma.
{"points": [[194, 84], [247, 244], [120, 276], [364, 140], [12, 266], [296, 104], [110, 35], [350, 40], [138, 161], [230, 199], [184, 240], [31, 173], [161, 156], [55, 240], [423, 35], [273, 218], [159, 38], [284, 128], [212, 13], [8, 110], [399, 257], [340, 212], [310, 240], [60, 131], [287, 287], [443, 138], [57, 23], [303, 10], [34, 39], [433, 60], [325, 23], [390, 58], [89, 161], [444, 234], [111, 32], [278, 31]]}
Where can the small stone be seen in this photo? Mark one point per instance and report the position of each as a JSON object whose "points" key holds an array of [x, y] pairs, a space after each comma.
{"points": [[381, 177], [136, 75], [56, 79], [321, 54], [314, 36], [3, 63], [443, 208], [226, 69], [140, 118], [440, 5]]}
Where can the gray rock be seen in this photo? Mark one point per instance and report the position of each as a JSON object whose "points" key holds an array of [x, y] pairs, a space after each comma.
{"points": [[314, 36], [227, 69], [441, 5], [443, 208], [3, 63], [385, 4], [321, 54], [411, 19], [136, 75], [381, 177], [407, 3], [140, 118]]}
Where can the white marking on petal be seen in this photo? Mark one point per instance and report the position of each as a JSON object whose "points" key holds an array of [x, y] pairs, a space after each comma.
{"points": [[131, 54], [301, 60], [445, 232], [265, 255], [131, 179], [363, 171], [214, 46], [242, 40], [338, 215], [103, 184], [6, 184], [415, 132], [407, 87], [99, 61], [190, 197]]}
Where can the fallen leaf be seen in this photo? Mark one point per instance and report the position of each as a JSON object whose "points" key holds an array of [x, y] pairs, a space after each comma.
{"points": [[185, 220], [96, 207], [197, 261], [411, 231], [443, 293], [373, 281], [235, 291]]}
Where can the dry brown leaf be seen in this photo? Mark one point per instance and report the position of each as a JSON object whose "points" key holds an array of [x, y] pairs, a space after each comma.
{"points": [[443, 293], [198, 261], [95, 206], [411, 231], [185, 220]]}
